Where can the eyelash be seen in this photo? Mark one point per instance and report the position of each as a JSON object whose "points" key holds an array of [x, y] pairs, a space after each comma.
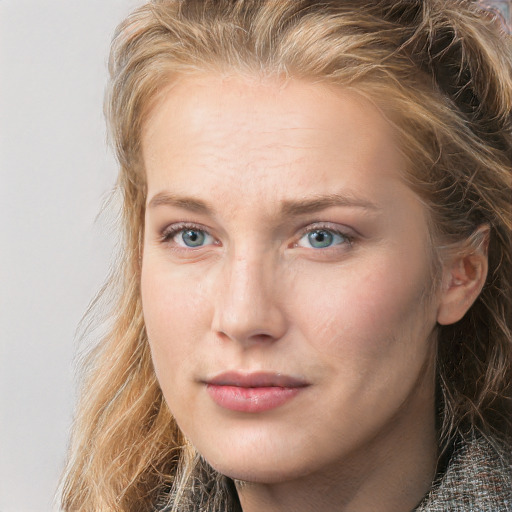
{"points": [[171, 231], [311, 228]]}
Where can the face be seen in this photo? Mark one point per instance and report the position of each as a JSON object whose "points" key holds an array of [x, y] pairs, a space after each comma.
{"points": [[284, 276]]}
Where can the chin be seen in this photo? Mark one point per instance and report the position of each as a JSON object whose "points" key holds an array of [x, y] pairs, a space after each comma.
{"points": [[258, 469], [264, 475]]}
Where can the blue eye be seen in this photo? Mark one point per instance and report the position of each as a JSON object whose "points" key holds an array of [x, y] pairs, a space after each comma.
{"points": [[322, 239], [187, 236], [193, 237]]}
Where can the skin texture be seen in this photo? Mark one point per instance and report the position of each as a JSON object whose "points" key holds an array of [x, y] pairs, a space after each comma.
{"points": [[351, 320]]}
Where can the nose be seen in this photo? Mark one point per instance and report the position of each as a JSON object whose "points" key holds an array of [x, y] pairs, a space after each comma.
{"points": [[247, 307]]}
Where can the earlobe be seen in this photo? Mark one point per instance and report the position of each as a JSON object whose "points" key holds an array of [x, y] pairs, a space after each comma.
{"points": [[464, 276]]}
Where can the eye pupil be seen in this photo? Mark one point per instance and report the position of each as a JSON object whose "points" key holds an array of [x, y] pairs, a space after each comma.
{"points": [[193, 238], [320, 238]]}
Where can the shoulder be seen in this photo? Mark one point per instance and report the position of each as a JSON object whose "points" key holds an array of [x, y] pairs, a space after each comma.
{"points": [[478, 478]]}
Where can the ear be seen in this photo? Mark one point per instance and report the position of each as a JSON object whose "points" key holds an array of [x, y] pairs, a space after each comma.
{"points": [[464, 275]]}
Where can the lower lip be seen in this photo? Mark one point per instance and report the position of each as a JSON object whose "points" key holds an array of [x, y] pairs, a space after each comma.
{"points": [[242, 399]]}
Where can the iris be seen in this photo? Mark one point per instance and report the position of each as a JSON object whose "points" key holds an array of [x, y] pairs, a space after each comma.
{"points": [[320, 239], [193, 238]]}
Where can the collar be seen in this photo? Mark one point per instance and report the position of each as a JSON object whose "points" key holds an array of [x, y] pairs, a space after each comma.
{"points": [[477, 478]]}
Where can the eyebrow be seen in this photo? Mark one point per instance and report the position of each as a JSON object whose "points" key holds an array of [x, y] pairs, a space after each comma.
{"points": [[289, 208], [187, 203], [317, 203]]}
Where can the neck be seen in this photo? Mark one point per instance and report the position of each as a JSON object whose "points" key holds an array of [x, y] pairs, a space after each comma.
{"points": [[390, 473]]}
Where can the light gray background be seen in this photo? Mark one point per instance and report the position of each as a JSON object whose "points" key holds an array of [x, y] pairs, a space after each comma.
{"points": [[55, 173]]}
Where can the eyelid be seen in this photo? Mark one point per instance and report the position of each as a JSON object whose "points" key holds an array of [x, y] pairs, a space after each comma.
{"points": [[344, 231], [170, 231], [349, 234]]}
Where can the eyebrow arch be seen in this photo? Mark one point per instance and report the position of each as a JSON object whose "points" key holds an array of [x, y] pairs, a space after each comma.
{"points": [[322, 202], [289, 208], [187, 203]]}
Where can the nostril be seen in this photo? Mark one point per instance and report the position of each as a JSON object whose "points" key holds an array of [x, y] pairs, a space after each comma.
{"points": [[263, 338], [250, 338]]}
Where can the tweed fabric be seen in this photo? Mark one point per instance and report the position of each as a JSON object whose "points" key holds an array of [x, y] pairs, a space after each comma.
{"points": [[476, 480]]}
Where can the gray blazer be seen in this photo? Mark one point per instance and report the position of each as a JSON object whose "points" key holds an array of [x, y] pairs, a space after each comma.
{"points": [[477, 479]]}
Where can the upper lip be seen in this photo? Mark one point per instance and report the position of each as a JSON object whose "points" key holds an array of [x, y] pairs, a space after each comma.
{"points": [[256, 380]]}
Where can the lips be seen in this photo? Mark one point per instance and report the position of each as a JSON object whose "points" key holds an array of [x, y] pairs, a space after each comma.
{"points": [[257, 380], [254, 392]]}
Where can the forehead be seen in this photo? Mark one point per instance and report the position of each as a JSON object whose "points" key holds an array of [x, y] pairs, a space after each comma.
{"points": [[280, 138]]}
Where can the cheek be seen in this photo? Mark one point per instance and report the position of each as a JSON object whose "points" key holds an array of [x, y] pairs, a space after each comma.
{"points": [[363, 310], [175, 312]]}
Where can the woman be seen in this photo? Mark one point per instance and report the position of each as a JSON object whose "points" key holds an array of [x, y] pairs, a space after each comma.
{"points": [[314, 311]]}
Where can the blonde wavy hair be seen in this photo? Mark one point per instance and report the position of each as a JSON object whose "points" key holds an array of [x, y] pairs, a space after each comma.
{"points": [[445, 70]]}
